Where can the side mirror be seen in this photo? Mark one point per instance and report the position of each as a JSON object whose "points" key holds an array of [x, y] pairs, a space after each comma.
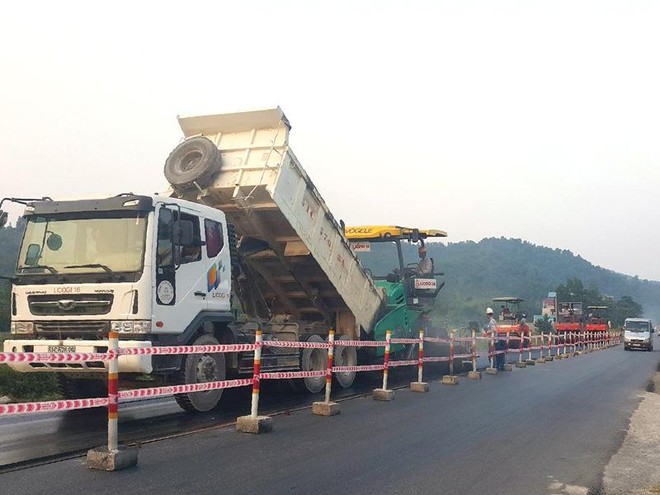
{"points": [[415, 235], [32, 255]]}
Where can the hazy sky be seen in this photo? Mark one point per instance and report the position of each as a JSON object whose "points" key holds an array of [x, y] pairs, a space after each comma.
{"points": [[537, 120]]}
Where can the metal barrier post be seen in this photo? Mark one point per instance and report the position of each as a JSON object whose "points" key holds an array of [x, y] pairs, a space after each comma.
{"points": [[384, 393], [474, 374], [112, 458], [541, 359], [113, 391], [328, 371], [420, 357], [420, 385], [491, 352], [450, 379], [255, 423], [255, 376], [550, 357], [507, 343], [521, 363], [328, 408], [386, 362]]}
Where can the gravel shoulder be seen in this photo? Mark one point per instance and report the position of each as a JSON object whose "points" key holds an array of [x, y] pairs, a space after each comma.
{"points": [[635, 468]]}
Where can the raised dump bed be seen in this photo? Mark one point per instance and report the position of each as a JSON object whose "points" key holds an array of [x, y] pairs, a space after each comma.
{"points": [[301, 263]]}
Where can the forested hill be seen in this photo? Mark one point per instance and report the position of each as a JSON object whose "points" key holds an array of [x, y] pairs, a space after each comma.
{"points": [[475, 272], [478, 271]]}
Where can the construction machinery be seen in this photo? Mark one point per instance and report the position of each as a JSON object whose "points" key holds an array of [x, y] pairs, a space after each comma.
{"points": [[512, 321], [242, 241]]}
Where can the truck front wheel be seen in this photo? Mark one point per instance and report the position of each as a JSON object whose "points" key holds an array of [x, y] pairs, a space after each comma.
{"points": [[201, 368], [80, 388]]}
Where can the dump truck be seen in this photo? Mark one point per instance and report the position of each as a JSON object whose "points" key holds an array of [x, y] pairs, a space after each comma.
{"points": [[242, 241]]}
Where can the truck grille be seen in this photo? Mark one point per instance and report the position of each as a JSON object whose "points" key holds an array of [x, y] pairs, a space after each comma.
{"points": [[70, 304], [72, 328]]}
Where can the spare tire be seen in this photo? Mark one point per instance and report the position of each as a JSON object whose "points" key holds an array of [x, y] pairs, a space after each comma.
{"points": [[196, 160]]}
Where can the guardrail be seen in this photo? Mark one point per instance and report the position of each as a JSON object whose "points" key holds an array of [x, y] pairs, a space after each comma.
{"points": [[550, 347]]}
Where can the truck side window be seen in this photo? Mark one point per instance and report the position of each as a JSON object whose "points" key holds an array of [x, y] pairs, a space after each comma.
{"points": [[214, 239], [191, 252], [165, 245]]}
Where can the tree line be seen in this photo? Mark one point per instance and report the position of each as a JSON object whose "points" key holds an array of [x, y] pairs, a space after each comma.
{"points": [[474, 273]]}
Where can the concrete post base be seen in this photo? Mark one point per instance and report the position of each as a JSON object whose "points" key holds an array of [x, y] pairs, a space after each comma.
{"points": [[521, 364], [326, 408], [449, 380], [540, 360], [549, 359], [474, 375], [530, 362], [508, 367], [260, 424], [105, 460], [421, 387], [382, 394], [491, 371]]}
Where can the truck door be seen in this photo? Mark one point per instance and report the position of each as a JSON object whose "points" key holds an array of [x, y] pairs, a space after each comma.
{"points": [[180, 270]]}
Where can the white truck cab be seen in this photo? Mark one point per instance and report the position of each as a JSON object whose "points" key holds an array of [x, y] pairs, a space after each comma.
{"points": [[638, 334], [150, 268]]}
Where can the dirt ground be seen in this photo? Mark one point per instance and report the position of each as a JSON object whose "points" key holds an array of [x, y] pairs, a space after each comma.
{"points": [[635, 468]]}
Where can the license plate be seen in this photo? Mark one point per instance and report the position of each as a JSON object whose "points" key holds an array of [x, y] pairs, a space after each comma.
{"points": [[59, 349]]}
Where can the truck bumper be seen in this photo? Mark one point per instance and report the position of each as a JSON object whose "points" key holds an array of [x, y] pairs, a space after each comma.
{"points": [[127, 364]]}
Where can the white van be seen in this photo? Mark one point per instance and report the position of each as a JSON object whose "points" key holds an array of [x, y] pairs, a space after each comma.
{"points": [[638, 334]]}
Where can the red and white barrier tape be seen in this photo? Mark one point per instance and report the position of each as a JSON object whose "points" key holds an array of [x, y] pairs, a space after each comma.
{"points": [[412, 362], [283, 375], [435, 359], [363, 367], [360, 343], [183, 389], [55, 405], [301, 345], [404, 341], [436, 340], [188, 349], [54, 357]]}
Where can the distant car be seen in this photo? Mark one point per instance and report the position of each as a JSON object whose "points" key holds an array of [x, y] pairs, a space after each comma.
{"points": [[638, 334]]}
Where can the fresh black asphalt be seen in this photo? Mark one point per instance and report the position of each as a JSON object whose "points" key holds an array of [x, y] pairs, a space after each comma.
{"points": [[514, 433]]}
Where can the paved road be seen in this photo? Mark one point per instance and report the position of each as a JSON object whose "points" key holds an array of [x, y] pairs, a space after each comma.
{"points": [[28, 438], [546, 429]]}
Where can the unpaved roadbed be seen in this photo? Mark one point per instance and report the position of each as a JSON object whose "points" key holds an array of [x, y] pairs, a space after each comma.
{"points": [[635, 468]]}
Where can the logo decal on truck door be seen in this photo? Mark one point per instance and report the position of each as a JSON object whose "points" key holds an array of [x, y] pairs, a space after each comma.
{"points": [[213, 276]]}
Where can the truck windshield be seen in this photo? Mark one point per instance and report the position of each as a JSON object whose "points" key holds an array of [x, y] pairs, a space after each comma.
{"points": [[637, 326], [83, 244]]}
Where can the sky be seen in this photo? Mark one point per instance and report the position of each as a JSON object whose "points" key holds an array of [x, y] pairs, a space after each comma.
{"points": [[537, 120]]}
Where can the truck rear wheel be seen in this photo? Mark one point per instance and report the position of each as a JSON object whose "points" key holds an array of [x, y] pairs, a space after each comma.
{"points": [[201, 368], [195, 160], [314, 360], [345, 356]]}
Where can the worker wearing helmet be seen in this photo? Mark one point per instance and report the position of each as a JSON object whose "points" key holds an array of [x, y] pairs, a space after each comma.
{"points": [[491, 329], [425, 266]]}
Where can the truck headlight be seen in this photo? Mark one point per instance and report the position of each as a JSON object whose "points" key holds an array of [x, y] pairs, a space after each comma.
{"points": [[131, 326], [22, 327]]}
